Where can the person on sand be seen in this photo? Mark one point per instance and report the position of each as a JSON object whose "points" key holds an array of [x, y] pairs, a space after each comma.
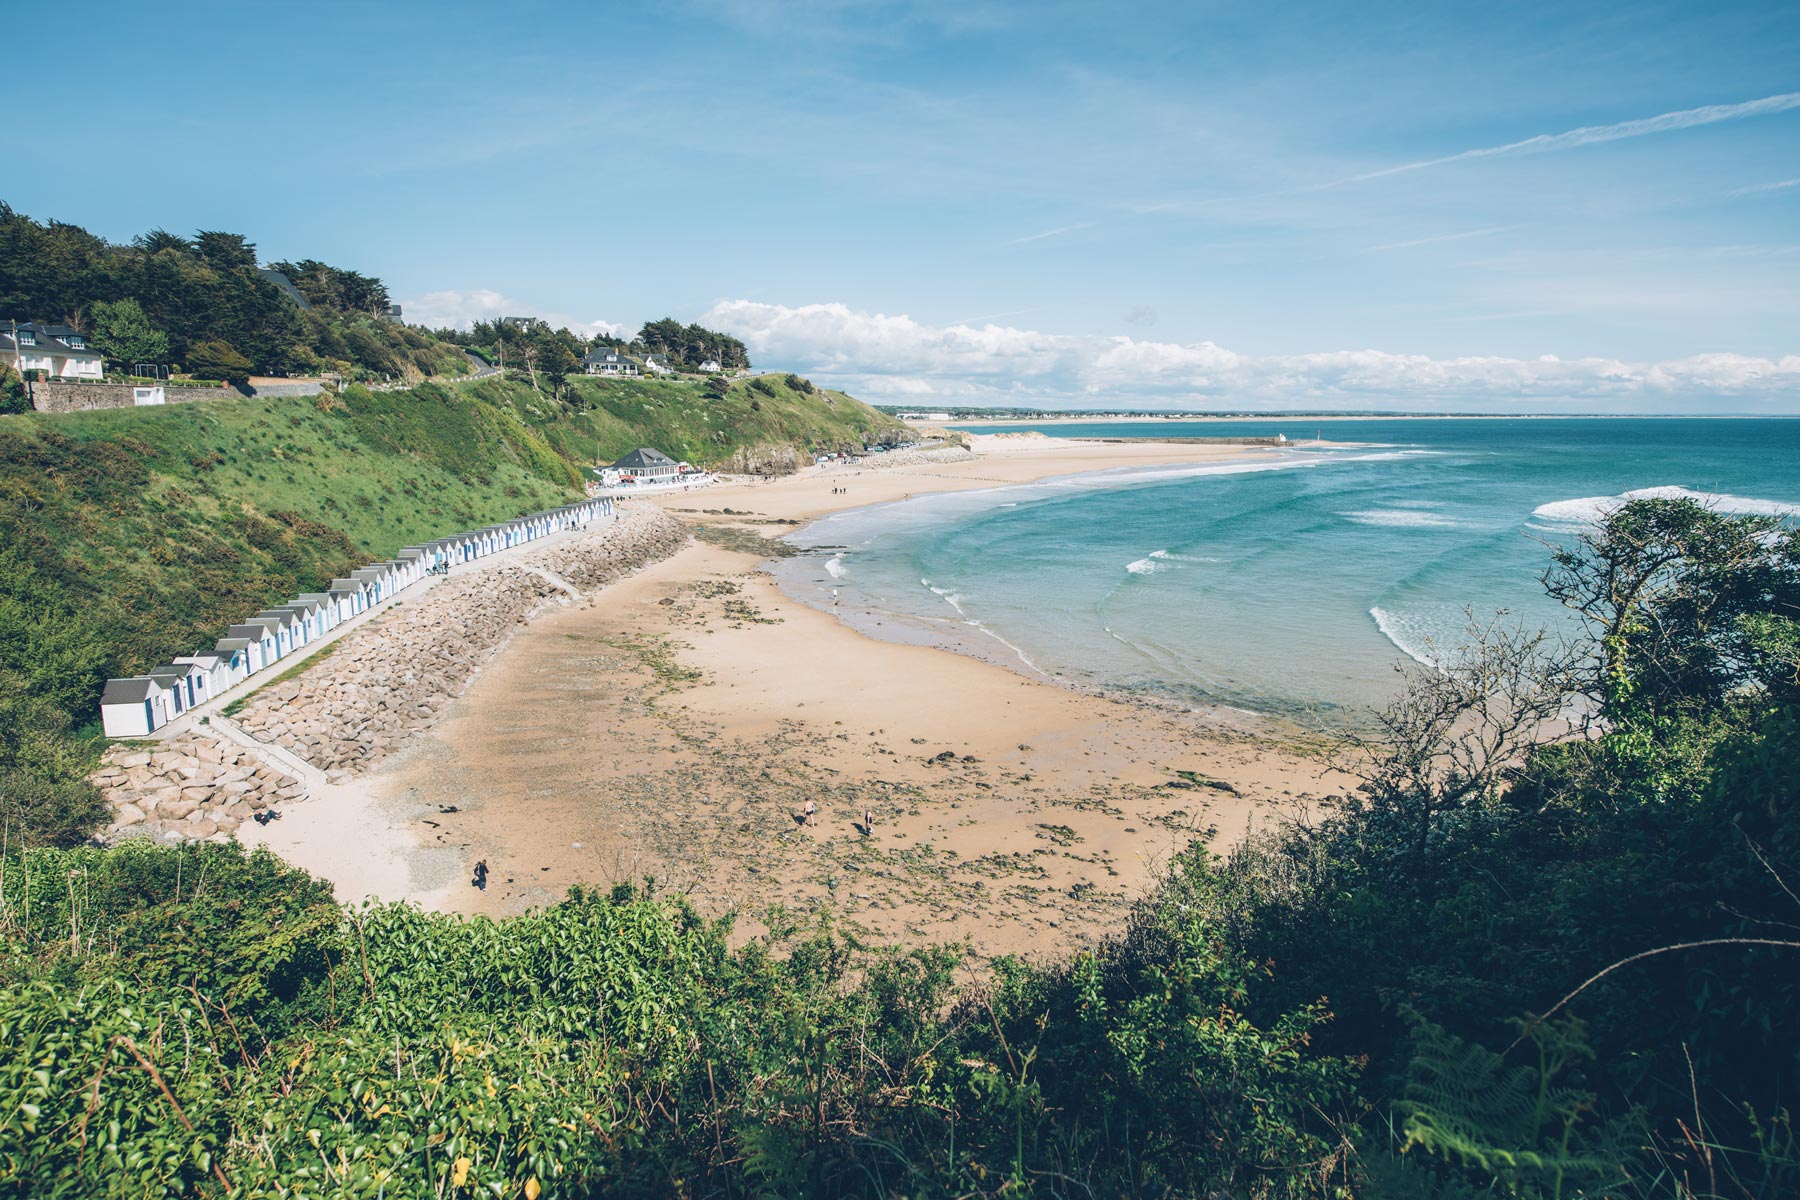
{"points": [[479, 883], [810, 810], [868, 822]]}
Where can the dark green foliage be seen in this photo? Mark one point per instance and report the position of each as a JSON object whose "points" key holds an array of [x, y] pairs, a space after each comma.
{"points": [[691, 345], [217, 359], [123, 334], [613, 1045], [1672, 820], [13, 396], [202, 303]]}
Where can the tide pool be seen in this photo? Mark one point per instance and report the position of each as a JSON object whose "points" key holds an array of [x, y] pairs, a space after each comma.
{"points": [[1293, 583]]}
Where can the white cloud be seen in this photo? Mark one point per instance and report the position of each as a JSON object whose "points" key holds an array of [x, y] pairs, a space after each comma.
{"points": [[1589, 135], [878, 356], [461, 309], [1778, 185], [1049, 233]]}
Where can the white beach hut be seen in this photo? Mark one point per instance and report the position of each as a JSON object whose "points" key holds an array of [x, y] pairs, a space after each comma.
{"points": [[215, 670], [243, 658], [352, 596], [265, 650], [132, 707]]}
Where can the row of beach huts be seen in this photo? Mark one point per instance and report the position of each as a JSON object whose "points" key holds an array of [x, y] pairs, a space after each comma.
{"points": [[145, 703]]}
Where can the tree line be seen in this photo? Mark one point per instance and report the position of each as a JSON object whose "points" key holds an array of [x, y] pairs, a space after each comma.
{"points": [[203, 303]]}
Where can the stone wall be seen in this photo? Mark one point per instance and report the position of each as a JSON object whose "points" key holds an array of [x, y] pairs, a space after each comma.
{"points": [[83, 397]]}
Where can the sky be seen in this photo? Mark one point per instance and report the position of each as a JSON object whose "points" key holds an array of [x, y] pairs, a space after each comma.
{"points": [[1591, 207]]}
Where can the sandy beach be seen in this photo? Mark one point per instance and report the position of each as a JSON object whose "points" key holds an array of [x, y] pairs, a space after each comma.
{"points": [[674, 725]]}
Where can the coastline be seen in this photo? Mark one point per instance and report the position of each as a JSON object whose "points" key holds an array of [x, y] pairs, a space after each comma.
{"points": [[670, 725]]}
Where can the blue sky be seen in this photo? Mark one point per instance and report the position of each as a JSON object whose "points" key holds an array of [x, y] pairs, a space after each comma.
{"points": [[1178, 204]]}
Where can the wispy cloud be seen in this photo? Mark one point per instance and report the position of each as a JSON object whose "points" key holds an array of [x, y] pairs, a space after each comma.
{"points": [[1591, 135], [1443, 237], [1049, 233], [1754, 188]]}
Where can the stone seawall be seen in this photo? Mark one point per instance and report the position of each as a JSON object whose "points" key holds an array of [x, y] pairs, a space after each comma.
{"points": [[190, 789]]}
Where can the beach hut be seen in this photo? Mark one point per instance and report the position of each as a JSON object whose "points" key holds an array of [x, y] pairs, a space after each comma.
{"points": [[287, 628], [188, 678], [380, 580], [243, 658], [215, 673], [173, 681], [325, 610], [265, 651], [352, 596], [132, 707]]}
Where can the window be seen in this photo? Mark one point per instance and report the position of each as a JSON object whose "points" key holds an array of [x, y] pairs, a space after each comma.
{"points": [[27, 338], [75, 342]]}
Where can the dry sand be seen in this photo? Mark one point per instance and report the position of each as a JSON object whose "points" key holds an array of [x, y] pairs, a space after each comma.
{"points": [[672, 726]]}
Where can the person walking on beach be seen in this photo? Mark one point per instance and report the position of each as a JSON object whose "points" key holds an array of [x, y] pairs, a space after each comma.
{"points": [[810, 809], [868, 822], [481, 874]]}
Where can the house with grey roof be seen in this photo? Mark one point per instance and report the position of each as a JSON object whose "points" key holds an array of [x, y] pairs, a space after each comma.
{"points": [[58, 351], [604, 360]]}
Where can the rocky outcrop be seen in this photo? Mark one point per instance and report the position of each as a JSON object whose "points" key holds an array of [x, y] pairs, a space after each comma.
{"points": [[192, 788], [395, 678]]}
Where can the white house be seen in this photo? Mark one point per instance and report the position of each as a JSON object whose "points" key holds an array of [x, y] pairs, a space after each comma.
{"points": [[711, 366], [603, 360], [59, 351], [132, 707], [656, 364], [326, 614]]}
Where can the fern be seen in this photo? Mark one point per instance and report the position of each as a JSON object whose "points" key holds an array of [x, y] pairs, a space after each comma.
{"points": [[1515, 1125]]}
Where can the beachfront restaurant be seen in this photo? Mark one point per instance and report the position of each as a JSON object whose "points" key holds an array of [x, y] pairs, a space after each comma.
{"points": [[648, 465]]}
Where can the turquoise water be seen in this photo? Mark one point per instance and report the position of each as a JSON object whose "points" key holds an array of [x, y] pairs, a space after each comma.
{"points": [[1293, 583]]}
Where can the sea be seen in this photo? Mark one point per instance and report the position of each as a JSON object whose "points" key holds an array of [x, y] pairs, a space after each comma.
{"points": [[1302, 583]]}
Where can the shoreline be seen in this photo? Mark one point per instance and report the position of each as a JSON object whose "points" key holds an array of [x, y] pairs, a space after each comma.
{"points": [[671, 724]]}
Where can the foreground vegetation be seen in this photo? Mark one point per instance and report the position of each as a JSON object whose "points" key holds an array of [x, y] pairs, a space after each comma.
{"points": [[130, 535], [1507, 968]]}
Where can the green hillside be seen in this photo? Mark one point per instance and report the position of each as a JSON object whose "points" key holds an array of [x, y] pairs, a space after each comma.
{"points": [[128, 536]]}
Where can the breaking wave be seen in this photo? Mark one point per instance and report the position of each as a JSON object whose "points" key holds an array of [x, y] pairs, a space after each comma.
{"points": [[1590, 510]]}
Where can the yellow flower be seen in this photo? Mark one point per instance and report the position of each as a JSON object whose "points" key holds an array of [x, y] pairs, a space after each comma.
{"points": [[459, 1174], [532, 1188]]}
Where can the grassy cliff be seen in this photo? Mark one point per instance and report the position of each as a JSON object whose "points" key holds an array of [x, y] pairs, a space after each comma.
{"points": [[128, 536]]}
